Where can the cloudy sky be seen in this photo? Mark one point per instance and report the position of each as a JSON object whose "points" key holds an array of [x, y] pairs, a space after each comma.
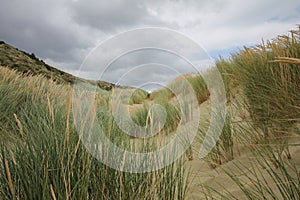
{"points": [[64, 32]]}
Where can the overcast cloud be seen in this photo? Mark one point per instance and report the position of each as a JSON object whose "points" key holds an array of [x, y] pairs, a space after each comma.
{"points": [[63, 32]]}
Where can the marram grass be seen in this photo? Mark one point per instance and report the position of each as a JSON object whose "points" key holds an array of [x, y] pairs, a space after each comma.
{"points": [[43, 158], [268, 80]]}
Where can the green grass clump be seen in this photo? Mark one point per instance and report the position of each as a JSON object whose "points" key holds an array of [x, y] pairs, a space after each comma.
{"points": [[173, 117], [223, 150], [199, 87], [138, 97], [179, 84], [161, 95], [142, 117]]}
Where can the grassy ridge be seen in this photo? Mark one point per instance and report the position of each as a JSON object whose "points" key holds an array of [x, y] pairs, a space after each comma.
{"points": [[28, 63]]}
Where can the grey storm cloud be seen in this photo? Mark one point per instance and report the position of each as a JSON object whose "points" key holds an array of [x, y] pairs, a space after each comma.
{"points": [[144, 55], [40, 27], [111, 15], [146, 66], [63, 32]]}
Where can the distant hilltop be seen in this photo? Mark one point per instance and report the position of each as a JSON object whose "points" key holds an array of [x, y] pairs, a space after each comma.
{"points": [[28, 63]]}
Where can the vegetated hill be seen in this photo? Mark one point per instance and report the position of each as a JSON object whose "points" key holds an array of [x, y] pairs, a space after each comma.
{"points": [[24, 62]]}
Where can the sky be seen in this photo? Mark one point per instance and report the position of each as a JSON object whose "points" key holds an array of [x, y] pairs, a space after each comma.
{"points": [[64, 33]]}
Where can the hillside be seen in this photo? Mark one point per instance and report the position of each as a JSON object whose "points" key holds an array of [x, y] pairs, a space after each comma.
{"points": [[24, 62]]}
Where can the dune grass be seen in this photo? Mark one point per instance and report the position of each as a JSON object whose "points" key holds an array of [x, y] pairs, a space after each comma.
{"points": [[42, 156], [39, 136], [266, 79], [138, 97], [222, 152], [269, 75], [196, 81]]}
